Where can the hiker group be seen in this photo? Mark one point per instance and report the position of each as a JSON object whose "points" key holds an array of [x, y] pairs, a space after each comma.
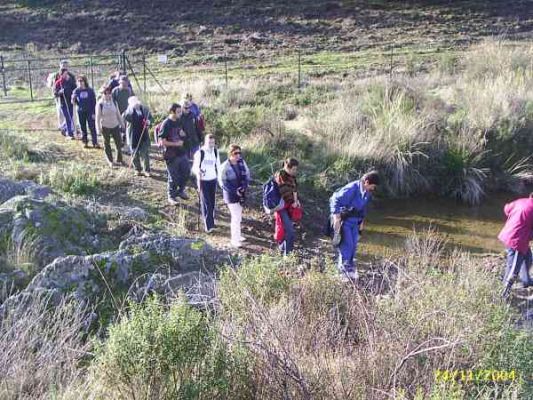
{"points": [[119, 115]]}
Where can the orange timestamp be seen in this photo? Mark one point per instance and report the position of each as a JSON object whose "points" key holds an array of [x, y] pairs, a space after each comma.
{"points": [[475, 375]]}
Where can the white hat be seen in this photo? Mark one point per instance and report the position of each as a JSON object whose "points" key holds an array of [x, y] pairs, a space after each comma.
{"points": [[133, 101]]}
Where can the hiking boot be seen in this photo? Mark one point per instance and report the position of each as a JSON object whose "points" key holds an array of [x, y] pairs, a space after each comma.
{"points": [[172, 201], [96, 146], [85, 145], [243, 239], [350, 276], [183, 195], [147, 174], [70, 137], [236, 245], [138, 173]]}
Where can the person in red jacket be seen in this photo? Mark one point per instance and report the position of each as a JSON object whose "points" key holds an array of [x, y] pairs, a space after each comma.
{"points": [[63, 89], [515, 236]]}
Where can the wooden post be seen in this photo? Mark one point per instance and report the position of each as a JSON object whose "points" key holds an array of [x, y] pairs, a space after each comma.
{"points": [[3, 75], [29, 78], [226, 67], [299, 69], [144, 71], [91, 71]]}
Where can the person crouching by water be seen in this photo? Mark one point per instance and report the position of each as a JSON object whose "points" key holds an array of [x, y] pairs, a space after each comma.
{"points": [[138, 119], [348, 207], [234, 178], [515, 235], [205, 167]]}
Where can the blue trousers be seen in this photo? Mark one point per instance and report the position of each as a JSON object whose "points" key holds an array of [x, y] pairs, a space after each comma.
{"points": [[518, 263], [348, 246], [179, 170], [67, 110], [288, 240], [87, 118], [208, 191]]}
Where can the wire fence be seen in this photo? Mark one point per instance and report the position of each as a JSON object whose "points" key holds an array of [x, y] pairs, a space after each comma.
{"points": [[25, 79]]}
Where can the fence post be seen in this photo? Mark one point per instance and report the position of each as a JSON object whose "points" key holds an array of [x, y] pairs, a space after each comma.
{"points": [[123, 61], [91, 70], [226, 68], [3, 75], [391, 61], [299, 69], [144, 71], [29, 78]]}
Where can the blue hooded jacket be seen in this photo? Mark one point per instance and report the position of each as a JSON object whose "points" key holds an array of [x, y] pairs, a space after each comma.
{"points": [[349, 196]]}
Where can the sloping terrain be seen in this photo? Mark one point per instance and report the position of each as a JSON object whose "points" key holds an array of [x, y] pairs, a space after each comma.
{"points": [[209, 27]]}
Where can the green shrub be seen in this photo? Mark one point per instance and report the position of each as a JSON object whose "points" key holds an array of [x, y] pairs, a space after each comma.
{"points": [[14, 148], [71, 179], [171, 353]]}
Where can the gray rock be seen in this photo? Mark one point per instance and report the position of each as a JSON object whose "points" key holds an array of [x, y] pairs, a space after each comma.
{"points": [[9, 189], [49, 228]]}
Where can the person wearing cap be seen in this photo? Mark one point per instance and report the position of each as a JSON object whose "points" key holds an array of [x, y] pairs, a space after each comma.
{"points": [[51, 80], [63, 89], [122, 93], [108, 124], [84, 99], [348, 208], [114, 80], [189, 125], [138, 120]]}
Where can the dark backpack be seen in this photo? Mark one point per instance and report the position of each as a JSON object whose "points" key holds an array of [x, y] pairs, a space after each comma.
{"points": [[272, 200], [202, 156]]}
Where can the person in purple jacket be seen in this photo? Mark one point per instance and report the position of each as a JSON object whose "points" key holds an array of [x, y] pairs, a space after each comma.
{"points": [[515, 235], [348, 208], [84, 99]]}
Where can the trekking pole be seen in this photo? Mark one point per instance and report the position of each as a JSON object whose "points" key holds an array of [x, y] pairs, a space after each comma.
{"points": [[145, 124], [199, 193], [68, 111]]}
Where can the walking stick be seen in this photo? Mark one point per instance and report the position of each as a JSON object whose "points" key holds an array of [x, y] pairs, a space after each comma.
{"points": [[145, 124]]}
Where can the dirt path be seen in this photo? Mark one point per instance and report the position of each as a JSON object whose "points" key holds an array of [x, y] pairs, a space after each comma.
{"points": [[150, 193]]}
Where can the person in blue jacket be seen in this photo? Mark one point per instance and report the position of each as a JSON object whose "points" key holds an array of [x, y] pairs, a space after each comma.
{"points": [[84, 98], [348, 208]]}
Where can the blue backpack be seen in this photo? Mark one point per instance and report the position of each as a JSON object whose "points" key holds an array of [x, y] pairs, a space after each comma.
{"points": [[272, 200]]}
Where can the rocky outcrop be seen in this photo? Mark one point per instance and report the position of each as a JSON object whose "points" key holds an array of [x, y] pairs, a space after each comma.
{"points": [[50, 228], [10, 188]]}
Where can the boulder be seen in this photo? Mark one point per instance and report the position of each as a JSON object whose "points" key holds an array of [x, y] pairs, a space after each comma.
{"points": [[9, 189]]}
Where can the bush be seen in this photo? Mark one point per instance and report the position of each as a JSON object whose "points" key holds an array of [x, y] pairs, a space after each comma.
{"points": [[171, 353], [71, 179]]}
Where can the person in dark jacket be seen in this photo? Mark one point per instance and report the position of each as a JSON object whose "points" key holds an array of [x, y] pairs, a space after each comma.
{"points": [[84, 99], [348, 207], [63, 89], [286, 180], [51, 80], [234, 178], [176, 144], [138, 120], [189, 125]]}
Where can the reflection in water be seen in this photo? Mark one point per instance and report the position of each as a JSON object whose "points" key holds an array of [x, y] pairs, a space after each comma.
{"points": [[473, 229]]}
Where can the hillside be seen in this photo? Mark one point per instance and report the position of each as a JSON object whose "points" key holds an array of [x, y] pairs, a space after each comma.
{"points": [[211, 27]]}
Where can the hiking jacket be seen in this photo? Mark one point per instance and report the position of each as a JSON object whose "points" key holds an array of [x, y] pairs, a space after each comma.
{"points": [[232, 177], [351, 196], [287, 186], [209, 167], [188, 123], [67, 86], [135, 124], [517, 230]]}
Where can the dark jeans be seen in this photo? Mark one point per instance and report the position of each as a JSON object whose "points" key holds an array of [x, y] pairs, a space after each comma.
{"points": [[67, 110], [518, 264], [87, 118], [208, 191], [114, 133], [179, 170], [143, 152], [288, 227]]}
